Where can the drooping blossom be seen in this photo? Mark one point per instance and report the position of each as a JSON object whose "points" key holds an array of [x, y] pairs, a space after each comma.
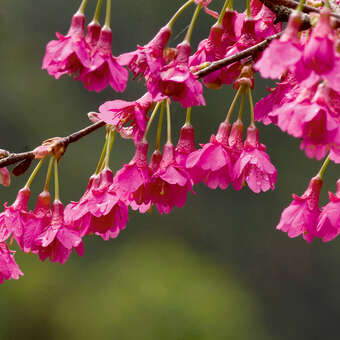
{"points": [[176, 81], [5, 177], [272, 64], [230, 30], [132, 181], [129, 118], [185, 145], [8, 267], [14, 217], [287, 90], [211, 49], [36, 223], [265, 20], [320, 60], [99, 210], [301, 216], [59, 238], [170, 184], [212, 164], [329, 222], [68, 54], [254, 165], [104, 69], [311, 118], [247, 39], [148, 58]]}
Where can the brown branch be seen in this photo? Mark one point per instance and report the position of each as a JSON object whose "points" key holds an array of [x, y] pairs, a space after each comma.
{"points": [[283, 8], [65, 141], [216, 65]]}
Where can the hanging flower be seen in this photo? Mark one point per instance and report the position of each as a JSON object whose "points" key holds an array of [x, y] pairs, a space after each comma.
{"points": [[301, 216]]}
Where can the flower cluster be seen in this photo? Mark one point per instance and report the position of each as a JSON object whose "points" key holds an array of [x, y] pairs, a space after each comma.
{"points": [[86, 57], [305, 104]]}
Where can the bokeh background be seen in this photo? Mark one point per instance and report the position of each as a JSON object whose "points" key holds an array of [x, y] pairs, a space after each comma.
{"points": [[215, 269]]}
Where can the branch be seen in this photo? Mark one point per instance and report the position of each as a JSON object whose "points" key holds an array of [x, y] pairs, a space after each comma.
{"points": [[64, 142], [216, 65], [283, 8]]}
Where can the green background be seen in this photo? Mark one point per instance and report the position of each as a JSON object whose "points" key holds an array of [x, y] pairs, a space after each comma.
{"points": [[215, 269]]}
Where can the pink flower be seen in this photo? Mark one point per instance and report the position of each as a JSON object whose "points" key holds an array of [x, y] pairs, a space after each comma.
{"points": [[68, 54], [8, 267], [286, 91], [209, 50], [320, 60], [147, 58], [14, 217], [247, 39], [5, 177], [99, 211], [36, 223], [312, 119], [254, 166], [59, 238], [132, 181], [301, 216], [272, 64], [264, 20], [185, 145], [176, 81], [170, 183], [129, 118], [212, 164], [105, 69], [329, 222], [229, 36]]}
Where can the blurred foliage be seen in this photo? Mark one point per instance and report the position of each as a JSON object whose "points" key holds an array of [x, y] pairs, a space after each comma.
{"points": [[149, 289], [214, 269]]}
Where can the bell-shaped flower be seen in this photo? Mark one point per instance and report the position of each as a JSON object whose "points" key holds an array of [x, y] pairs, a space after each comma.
{"points": [[104, 69], [148, 58], [212, 164], [329, 222], [129, 118], [132, 181], [311, 117], [15, 216], [272, 64], [176, 81], [320, 59], [301, 216], [170, 183], [99, 211], [287, 90], [36, 223], [59, 238], [254, 165], [68, 54]]}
